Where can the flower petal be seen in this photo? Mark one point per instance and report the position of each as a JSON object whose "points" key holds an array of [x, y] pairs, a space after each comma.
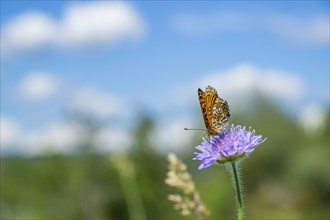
{"points": [[233, 143]]}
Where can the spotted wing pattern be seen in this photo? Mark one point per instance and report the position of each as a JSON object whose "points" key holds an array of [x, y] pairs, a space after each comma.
{"points": [[215, 110]]}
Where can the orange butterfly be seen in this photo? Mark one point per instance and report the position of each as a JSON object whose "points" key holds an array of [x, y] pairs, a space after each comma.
{"points": [[215, 110]]}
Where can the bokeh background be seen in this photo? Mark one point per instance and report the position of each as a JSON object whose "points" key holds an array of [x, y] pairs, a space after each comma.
{"points": [[94, 95]]}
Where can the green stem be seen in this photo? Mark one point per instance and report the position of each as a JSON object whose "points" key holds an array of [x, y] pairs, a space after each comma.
{"points": [[238, 192]]}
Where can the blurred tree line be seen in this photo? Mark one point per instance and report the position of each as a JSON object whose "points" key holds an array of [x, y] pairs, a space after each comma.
{"points": [[286, 177]]}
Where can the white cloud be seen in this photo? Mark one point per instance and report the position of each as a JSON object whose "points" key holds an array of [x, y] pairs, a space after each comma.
{"points": [[37, 86], [209, 23], [113, 139], [58, 136], [315, 30], [312, 118], [170, 134], [312, 30], [31, 30], [83, 24], [96, 103], [10, 132], [239, 82], [100, 22]]}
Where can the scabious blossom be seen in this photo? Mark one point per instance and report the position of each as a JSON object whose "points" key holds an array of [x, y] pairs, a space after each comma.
{"points": [[233, 143]]}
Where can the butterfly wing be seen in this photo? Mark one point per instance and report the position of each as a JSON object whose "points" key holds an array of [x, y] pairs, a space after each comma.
{"points": [[207, 100], [215, 110], [220, 115], [202, 102]]}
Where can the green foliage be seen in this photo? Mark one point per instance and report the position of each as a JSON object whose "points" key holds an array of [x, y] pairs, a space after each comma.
{"points": [[286, 177]]}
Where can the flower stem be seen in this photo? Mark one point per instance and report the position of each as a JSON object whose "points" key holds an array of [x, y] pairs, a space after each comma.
{"points": [[238, 192]]}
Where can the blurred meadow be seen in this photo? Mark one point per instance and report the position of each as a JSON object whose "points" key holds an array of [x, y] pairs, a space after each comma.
{"points": [[95, 95]]}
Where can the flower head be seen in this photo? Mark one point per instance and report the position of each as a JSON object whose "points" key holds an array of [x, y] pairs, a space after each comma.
{"points": [[233, 143]]}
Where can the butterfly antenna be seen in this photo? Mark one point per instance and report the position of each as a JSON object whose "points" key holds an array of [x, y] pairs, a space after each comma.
{"points": [[194, 129], [197, 129]]}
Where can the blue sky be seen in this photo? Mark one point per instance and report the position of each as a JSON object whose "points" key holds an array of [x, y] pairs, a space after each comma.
{"points": [[111, 59]]}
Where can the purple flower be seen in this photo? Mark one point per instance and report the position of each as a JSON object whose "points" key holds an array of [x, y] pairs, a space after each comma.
{"points": [[233, 143]]}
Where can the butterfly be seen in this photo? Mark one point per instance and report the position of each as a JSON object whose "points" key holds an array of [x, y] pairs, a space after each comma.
{"points": [[215, 110]]}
